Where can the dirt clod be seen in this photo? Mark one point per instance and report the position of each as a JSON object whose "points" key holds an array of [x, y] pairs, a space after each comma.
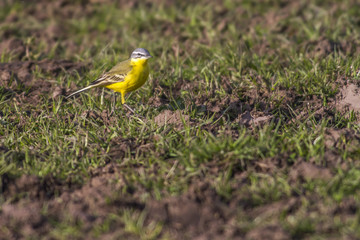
{"points": [[13, 46], [168, 117], [350, 98], [308, 171]]}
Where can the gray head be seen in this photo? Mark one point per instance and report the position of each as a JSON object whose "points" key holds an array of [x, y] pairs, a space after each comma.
{"points": [[140, 53]]}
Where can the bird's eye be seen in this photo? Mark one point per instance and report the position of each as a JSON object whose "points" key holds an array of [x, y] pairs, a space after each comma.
{"points": [[139, 55]]}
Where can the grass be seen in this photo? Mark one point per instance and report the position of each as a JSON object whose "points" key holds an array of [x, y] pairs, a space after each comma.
{"points": [[213, 63]]}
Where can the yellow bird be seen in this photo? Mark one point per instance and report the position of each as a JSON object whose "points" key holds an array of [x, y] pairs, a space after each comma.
{"points": [[124, 77]]}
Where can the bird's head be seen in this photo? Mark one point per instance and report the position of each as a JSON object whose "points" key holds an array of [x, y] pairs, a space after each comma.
{"points": [[140, 54]]}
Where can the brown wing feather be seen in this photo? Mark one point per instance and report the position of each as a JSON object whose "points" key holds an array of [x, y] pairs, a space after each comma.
{"points": [[115, 75], [108, 79]]}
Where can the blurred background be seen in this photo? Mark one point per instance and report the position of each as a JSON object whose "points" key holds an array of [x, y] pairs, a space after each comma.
{"points": [[79, 30]]}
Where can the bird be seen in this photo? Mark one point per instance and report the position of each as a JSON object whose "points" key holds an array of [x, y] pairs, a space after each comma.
{"points": [[124, 77]]}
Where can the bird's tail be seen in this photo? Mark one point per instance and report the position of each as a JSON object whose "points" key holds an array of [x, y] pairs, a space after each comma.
{"points": [[79, 91]]}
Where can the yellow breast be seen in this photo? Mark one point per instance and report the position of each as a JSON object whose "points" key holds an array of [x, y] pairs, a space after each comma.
{"points": [[134, 79], [138, 75]]}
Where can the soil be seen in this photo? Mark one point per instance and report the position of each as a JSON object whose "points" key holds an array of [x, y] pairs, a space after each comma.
{"points": [[19, 80], [176, 119], [349, 98]]}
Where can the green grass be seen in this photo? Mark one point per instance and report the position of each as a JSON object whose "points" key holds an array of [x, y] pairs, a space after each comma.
{"points": [[212, 62]]}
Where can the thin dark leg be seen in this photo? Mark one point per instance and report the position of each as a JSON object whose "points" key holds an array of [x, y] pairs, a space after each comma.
{"points": [[131, 110], [113, 105], [134, 113]]}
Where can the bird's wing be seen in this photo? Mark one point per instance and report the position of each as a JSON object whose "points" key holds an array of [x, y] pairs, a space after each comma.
{"points": [[115, 75]]}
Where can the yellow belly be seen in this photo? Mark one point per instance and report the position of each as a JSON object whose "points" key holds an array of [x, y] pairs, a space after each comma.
{"points": [[134, 79]]}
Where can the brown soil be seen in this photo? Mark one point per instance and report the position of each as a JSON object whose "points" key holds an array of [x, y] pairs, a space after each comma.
{"points": [[13, 46], [349, 98], [19, 80], [274, 232], [176, 119], [307, 171], [200, 212]]}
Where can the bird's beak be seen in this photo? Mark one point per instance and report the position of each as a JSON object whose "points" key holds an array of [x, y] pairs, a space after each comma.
{"points": [[149, 57]]}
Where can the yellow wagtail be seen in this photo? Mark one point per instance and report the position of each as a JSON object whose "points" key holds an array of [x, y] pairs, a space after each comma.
{"points": [[124, 77]]}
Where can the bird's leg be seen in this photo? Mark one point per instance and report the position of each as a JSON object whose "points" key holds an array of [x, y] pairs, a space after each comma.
{"points": [[125, 105], [113, 105], [115, 99], [139, 118], [131, 110]]}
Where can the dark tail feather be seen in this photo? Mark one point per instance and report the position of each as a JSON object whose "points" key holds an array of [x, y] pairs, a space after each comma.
{"points": [[79, 91]]}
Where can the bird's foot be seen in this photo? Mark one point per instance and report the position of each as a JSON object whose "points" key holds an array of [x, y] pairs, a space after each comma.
{"points": [[130, 109], [133, 112]]}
